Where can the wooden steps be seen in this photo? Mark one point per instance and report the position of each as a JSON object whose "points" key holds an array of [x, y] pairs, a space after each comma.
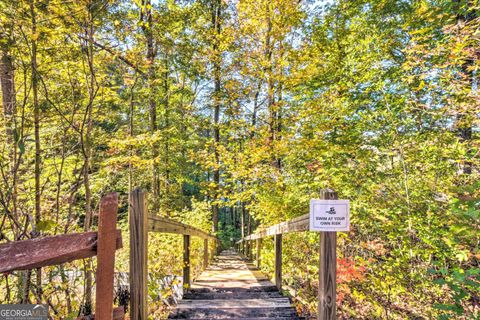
{"points": [[232, 289]]}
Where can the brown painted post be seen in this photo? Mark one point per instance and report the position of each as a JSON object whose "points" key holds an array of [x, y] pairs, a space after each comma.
{"points": [[278, 261], [328, 268], [205, 253], [106, 246], [138, 255], [259, 248], [186, 261]]}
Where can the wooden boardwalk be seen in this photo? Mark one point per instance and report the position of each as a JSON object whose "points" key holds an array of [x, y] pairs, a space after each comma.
{"points": [[232, 289]]}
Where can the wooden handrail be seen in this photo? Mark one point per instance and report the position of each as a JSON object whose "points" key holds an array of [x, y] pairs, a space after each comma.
{"points": [[48, 251], [166, 225], [298, 224]]}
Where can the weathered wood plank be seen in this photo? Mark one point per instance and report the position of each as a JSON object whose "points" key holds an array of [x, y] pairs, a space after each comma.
{"points": [[240, 303], [205, 253], [232, 289], [186, 261], [249, 250], [106, 256], [278, 261], [327, 273], [47, 251], [161, 224], [298, 224], [138, 255], [258, 252]]}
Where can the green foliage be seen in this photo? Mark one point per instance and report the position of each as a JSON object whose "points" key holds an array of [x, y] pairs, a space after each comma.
{"points": [[377, 100], [464, 286]]}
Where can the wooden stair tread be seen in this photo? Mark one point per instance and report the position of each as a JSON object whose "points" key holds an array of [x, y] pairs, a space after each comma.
{"points": [[232, 295], [231, 288], [237, 303], [235, 313]]}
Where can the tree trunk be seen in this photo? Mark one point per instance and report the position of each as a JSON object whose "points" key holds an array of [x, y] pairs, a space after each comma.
{"points": [[216, 12], [7, 83], [166, 87], [270, 79], [38, 159], [278, 126], [7, 80], [147, 23], [255, 108], [269, 74], [86, 147]]}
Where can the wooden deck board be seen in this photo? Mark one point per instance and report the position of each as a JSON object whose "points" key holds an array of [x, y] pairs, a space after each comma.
{"points": [[238, 303], [231, 288]]}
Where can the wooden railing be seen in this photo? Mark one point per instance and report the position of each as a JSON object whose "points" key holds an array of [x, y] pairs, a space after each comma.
{"points": [[328, 256], [140, 224], [54, 250]]}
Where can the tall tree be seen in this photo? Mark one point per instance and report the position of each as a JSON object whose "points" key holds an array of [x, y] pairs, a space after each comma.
{"points": [[217, 102], [146, 21], [38, 151], [88, 42]]}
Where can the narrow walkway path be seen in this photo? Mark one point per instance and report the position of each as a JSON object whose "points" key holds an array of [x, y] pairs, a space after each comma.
{"points": [[233, 289]]}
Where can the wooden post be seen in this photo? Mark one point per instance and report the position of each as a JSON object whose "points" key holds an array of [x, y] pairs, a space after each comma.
{"points": [[106, 246], [278, 261], [205, 253], [214, 248], [328, 268], [259, 248], [186, 261], [251, 250], [218, 247], [138, 255]]}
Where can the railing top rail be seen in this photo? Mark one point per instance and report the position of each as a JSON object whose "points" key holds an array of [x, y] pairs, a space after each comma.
{"points": [[47, 251], [162, 224], [297, 224]]}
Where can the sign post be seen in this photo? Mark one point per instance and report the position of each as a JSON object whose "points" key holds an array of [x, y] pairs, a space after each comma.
{"points": [[328, 215]]}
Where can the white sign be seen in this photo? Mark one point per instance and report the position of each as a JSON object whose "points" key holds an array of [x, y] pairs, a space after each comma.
{"points": [[329, 215]]}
